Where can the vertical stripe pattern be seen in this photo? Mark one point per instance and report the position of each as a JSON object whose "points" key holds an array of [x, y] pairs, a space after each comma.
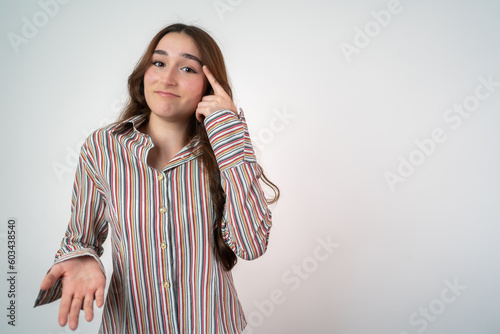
{"points": [[165, 277]]}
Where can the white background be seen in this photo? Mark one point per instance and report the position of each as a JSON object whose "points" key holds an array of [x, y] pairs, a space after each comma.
{"points": [[329, 127]]}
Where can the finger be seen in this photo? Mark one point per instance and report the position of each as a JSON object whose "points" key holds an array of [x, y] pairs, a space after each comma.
{"points": [[199, 116], [74, 312], [213, 99], [48, 281], [64, 308], [218, 90], [99, 297], [203, 110], [207, 105], [88, 307]]}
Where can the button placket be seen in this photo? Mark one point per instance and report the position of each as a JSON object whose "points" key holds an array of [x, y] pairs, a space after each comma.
{"points": [[161, 177], [163, 210]]}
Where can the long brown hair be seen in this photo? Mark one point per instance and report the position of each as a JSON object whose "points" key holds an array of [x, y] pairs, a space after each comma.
{"points": [[211, 56]]}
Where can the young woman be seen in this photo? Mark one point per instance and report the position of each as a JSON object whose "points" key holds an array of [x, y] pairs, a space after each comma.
{"points": [[176, 184]]}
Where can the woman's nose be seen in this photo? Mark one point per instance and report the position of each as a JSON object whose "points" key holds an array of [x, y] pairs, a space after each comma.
{"points": [[169, 76]]}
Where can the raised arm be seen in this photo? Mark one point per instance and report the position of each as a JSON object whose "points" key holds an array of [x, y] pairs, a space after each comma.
{"points": [[246, 220]]}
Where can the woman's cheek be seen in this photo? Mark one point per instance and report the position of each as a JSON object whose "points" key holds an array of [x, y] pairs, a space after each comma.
{"points": [[149, 77], [197, 88]]}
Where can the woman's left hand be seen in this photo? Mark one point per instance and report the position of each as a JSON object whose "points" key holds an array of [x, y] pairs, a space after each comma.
{"points": [[212, 103]]}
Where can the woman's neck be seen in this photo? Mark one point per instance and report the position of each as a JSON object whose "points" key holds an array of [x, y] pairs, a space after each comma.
{"points": [[168, 139]]}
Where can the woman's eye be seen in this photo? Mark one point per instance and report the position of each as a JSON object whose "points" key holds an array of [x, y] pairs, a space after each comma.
{"points": [[188, 69], [158, 63]]}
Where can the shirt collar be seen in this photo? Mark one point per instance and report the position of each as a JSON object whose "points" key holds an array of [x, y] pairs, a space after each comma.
{"points": [[192, 150], [134, 121]]}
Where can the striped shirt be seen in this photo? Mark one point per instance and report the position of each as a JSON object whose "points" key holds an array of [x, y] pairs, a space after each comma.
{"points": [[166, 278]]}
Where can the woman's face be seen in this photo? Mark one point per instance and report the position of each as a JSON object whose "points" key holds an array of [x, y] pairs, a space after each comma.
{"points": [[174, 83]]}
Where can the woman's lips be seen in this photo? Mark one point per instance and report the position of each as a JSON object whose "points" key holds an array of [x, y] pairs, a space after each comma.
{"points": [[165, 94]]}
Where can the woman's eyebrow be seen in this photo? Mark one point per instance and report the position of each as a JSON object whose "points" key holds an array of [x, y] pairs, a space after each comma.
{"points": [[184, 55]]}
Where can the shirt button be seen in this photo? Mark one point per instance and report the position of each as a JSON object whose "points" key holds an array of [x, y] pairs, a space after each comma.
{"points": [[166, 285], [163, 245], [160, 177], [163, 209]]}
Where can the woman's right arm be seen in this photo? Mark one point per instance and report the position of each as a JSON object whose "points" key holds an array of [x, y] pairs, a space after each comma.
{"points": [[77, 276]]}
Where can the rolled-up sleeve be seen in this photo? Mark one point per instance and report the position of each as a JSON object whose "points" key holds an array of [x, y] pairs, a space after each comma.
{"points": [[87, 229], [246, 220]]}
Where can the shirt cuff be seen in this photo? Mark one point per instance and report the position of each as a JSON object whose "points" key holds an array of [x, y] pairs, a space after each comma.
{"points": [[226, 132]]}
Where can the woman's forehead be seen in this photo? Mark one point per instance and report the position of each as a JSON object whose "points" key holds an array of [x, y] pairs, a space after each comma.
{"points": [[175, 43]]}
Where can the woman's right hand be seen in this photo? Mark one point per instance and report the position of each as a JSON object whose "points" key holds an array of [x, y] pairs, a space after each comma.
{"points": [[82, 282]]}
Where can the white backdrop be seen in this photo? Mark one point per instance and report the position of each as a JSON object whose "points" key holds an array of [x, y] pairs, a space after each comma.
{"points": [[379, 120]]}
